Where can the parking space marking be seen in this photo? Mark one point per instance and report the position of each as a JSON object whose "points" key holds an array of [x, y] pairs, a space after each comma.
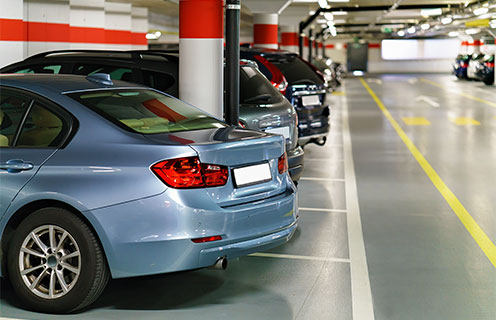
{"points": [[338, 93], [464, 121], [461, 212], [361, 294], [321, 179], [468, 96], [416, 121], [323, 159], [297, 257], [321, 209]]}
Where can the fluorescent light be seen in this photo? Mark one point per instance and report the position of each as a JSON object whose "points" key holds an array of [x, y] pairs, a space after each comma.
{"points": [[323, 26], [472, 31], [328, 16], [480, 11], [322, 3], [401, 33], [425, 26], [358, 73], [453, 34], [320, 21], [311, 12], [431, 12], [411, 30], [339, 13], [446, 20], [338, 0], [153, 35]]}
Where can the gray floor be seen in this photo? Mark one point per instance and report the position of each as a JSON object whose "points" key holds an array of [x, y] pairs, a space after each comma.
{"points": [[420, 263]]}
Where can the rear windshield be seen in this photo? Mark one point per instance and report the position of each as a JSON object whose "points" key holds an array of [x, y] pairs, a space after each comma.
{"points": [[146, 111], [295, 70], [256, 89]]}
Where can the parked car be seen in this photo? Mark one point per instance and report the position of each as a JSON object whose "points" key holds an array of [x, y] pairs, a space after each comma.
{"points": [[105, 179], [261, 106], [160, 70], [473, 64], [303, 87], [484, 70], [332, 71], [461, 65]]}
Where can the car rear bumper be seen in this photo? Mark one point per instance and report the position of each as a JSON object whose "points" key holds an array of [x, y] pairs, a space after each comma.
{"points": [[154, 235], [295, 162]]}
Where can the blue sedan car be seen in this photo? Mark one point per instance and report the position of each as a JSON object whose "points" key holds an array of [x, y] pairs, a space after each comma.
{"points": [[101, 179]]}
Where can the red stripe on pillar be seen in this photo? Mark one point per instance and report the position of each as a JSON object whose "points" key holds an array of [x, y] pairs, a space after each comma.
{"points": [[139, 38], [201, 19], [265, 34], [47, 32], [12, 30], [329, 46], [117, 36], [87, 35], [306, 42], [476, 43], [289, 39]]}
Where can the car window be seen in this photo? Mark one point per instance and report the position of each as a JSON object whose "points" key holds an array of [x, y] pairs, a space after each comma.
{"points": [[146, 111], [12, 110], [255, 88], [116, 73], [295, 70], [158, 80], [50, 69], [42, 129]]}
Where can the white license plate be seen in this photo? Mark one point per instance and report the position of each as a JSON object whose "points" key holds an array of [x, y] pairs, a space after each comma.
{"points": [[283, 131], [310, 100], [252, 174]]}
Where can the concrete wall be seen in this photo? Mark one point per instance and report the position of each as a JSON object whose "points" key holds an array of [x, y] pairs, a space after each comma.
{"points": [[32, 26]]}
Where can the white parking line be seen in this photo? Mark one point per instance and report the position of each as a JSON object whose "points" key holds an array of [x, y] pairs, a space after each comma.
{"points": [[323, 159], [321, 179], [298, 257], [321, 209], [360, 282]]}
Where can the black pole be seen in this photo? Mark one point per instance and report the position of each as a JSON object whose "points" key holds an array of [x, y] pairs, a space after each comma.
{"points": [[301, 36], [310, 44], [231, 107]]}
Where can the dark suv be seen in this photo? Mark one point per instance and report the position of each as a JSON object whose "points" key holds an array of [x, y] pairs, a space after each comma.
{"points": [[302, 84], [262, 107]]}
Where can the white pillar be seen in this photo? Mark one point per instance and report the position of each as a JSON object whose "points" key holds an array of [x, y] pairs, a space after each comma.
{"points": [[265, 30], [139, 28], [201, 46]]}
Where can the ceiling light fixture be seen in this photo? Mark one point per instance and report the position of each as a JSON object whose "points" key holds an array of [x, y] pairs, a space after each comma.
{"points": [[453, 34], [322, 3], [425, 26], [339, 13], [401, 33], [472, 31], [328, 16], [446, 20], [479, 11], [411, 30]]}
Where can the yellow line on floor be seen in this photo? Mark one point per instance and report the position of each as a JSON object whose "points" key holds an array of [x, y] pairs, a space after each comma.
{"points": [[468, 96], [338, 93], [468, 221], [464, 121], [416, 121], [297, 257]]}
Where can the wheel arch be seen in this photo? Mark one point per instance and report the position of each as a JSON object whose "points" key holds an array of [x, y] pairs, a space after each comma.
{"points": [[23, 212]]}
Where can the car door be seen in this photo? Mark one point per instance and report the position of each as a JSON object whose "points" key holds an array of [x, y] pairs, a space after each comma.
{"points": [[30, 132]]}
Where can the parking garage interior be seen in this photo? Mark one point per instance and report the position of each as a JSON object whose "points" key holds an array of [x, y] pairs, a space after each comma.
{"points": [[395, 216]]}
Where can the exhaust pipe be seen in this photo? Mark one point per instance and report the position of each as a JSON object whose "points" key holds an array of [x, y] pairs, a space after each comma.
{"points": [[220, 264]]}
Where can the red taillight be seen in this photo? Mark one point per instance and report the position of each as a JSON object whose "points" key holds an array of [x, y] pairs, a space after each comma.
{"points": [[282, 163], [190, 173], [490, 64], [207, 239], [464, 64]]}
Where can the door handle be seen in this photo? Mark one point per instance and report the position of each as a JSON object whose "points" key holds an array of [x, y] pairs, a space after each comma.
{"points": [[16, 165]]}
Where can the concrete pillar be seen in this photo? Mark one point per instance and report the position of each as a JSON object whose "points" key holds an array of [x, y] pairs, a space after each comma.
{"points": [[201, 48], [265, 30], [139, 28], [289, 38], [87, 23], [118, 26], [12, 32], [47, 24]]}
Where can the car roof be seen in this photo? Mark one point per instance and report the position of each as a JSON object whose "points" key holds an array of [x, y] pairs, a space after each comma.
{"points": [[104, 54], [266, 51], [58, 83]]}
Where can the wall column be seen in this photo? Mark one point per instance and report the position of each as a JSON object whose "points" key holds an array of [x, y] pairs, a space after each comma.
{"points": [[289, 39], [265, 30], [201, 48]]}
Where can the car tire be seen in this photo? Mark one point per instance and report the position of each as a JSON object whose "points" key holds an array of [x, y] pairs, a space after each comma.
{"points": [[488, 82], [71, 269]]}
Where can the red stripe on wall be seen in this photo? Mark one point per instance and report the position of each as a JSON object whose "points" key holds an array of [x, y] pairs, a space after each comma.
{"points": [[289, 39], [18, 30], [201, 19], [306, 42], [265, 34], [374, 45], [329, 46]]}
